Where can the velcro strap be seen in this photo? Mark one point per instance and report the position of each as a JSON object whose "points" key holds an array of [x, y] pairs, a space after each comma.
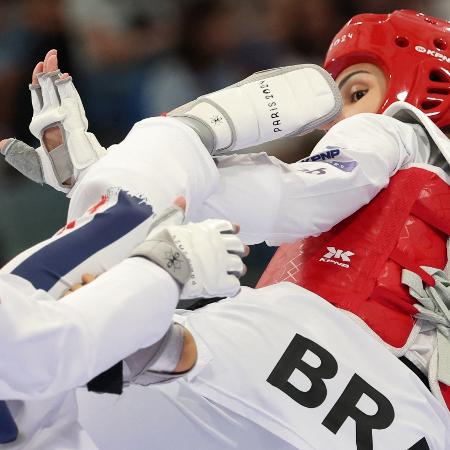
{"points": [[162, 250], [62, 165]]}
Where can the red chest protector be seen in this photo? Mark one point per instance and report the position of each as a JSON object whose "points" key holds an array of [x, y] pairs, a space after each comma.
{"points": [[357, 265]]}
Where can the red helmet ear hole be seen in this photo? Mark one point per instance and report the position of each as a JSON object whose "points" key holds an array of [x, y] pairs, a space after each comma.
{"points": [[429, 104], [440, 91], [439, 76], [440, 44], [401, 41]]}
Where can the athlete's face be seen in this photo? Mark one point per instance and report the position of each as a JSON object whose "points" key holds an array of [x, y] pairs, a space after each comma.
{"points": [[363, 88]]}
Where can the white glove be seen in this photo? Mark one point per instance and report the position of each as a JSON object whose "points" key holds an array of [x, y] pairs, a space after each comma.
{"points": [[56, 103], [204, 258]]}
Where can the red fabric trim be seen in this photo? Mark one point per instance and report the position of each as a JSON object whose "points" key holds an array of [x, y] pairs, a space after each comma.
{"points": [[445, 390]]}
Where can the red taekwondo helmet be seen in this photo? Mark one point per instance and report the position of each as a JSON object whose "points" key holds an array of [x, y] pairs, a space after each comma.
{"points": [[411, 48]]}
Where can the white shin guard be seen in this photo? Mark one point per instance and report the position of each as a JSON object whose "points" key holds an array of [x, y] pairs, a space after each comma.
{"points": [[268, 105]]}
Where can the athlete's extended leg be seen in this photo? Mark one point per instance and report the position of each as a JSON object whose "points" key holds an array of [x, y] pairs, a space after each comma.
{"points": [[167, 155]]}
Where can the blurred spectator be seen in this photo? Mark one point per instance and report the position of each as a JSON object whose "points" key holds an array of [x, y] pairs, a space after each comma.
{"points": [[206, 57], [385, 6], [304, 30], [116, 32], [114, 41], [441, 8], [29, 29]]}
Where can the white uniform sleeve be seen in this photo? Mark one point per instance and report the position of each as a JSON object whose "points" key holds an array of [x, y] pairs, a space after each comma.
{"points": [[280, 202], [159, 160], [50, 346]]}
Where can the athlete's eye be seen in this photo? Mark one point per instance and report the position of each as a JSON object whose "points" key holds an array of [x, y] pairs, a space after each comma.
{"points": [[358, 95]]}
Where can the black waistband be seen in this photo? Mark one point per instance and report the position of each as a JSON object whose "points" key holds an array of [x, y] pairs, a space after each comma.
{"points": [[416, 370]]}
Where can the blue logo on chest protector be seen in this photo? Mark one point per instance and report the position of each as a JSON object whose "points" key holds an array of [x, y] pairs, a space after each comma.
{"points": [[331, 153]]}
